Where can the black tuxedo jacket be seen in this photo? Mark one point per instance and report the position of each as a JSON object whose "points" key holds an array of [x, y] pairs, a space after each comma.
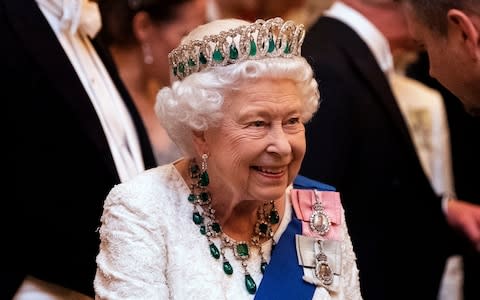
{"points": [[63, 165], [464, 137], [359, 143]]}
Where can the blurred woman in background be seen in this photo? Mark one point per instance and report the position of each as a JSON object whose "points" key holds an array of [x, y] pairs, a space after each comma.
{"points": [[140, 34]]}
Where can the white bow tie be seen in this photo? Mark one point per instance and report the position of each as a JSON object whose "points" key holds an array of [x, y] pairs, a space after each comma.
{"points": [[82, 15]]}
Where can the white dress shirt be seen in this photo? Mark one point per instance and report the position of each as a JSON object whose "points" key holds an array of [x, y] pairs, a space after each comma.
{"points": [[72, 22]]}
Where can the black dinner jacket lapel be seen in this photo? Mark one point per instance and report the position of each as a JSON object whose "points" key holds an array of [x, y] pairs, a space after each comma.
{"points": [[363, 62], [34, 30]]}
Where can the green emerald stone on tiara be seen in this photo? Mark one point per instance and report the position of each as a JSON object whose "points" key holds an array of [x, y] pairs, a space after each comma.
{"points": [[271, 45], [217, 56], [233, 53], [255, 41], [253, 48], [202, 58], [288, 48]]}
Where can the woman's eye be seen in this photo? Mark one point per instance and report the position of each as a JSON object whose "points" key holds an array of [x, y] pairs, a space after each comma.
{"points": [[293, 121], [258, 123]]}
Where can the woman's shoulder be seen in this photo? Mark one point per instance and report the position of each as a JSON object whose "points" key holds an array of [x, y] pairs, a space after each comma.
{"points": [[147, 188]]}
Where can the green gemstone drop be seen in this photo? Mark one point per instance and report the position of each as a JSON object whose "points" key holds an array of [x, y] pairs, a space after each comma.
{"points": [[253, 48], [288, 48], [191, 62], [204, 180], [214, 251], [191, 197], [202, 58], [250, 284], [233, 52], [197, 218], [227, 268], [203, 229], [271, 45], [217, 56], [263, 266]]}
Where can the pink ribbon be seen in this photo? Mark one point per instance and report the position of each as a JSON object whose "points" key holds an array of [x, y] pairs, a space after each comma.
{"points": [[303, 201]]}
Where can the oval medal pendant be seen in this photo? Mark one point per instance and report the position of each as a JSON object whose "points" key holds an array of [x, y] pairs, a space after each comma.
{"points": [[323, 272], [319, 222]]}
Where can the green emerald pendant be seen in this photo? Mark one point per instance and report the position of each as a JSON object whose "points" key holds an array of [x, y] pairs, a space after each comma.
{"points": [[214, 251], [227, 268], [204, 180], [241, 250], [250, 284], [197, 218], [263, 266]]}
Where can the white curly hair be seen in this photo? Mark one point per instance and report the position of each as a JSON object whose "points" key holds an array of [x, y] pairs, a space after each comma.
{"points": [[195, 103]]}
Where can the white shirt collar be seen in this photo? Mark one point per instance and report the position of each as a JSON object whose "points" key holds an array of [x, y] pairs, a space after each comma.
{"points": [[375, 40], [72, 15]]}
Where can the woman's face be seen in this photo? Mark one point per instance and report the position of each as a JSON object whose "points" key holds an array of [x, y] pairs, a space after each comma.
{"points": [[257, 150], [167, 35]]}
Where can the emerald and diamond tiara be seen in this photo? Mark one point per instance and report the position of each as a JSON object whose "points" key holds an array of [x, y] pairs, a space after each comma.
{"points": [[261, 39]]}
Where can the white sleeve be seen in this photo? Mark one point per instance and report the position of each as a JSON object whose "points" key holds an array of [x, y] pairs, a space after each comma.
{"points": [[132, 259], [350, 288]]}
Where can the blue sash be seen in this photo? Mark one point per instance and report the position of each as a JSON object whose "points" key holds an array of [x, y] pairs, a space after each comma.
{"points": [[283, 275]]}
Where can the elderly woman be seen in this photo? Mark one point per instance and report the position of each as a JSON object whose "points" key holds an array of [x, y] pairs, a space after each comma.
{"points": [[227, 221]]}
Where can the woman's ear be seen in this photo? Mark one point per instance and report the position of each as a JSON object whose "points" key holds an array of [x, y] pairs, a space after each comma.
{"points": [[465, 27], [141, 26], [200, 142]]}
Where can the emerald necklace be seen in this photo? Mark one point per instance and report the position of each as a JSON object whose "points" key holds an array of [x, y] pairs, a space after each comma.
{"points": [[204, 217]]}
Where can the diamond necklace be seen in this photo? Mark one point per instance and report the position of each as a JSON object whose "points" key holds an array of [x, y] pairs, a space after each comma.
{"points": [[204, 217]]}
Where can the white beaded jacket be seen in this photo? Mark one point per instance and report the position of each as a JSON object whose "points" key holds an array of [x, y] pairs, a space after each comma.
{"points": [[151, 249]]}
